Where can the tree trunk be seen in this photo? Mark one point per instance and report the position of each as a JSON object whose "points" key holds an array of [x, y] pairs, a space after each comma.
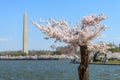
{"points": [[83, 67]]}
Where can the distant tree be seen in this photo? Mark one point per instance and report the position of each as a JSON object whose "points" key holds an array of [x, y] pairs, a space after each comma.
{"points": [[56, 53], [80, 35], [39, 52], [114, 48], [67, 49]]}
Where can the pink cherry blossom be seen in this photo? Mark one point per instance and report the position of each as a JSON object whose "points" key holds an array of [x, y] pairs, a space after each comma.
{"points": [[80, 34]]}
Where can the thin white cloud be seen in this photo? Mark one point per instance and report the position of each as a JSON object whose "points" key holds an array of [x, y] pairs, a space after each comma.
{"points": [[5, 39]]}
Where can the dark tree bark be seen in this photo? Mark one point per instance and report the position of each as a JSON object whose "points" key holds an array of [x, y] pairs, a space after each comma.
{"points": [[83, 67]]}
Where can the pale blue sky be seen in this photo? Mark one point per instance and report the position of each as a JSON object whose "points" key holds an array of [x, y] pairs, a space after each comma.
{"points": [[11, 19]]}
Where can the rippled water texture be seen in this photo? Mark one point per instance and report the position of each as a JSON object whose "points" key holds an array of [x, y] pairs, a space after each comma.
{"points": [[53, 70]]}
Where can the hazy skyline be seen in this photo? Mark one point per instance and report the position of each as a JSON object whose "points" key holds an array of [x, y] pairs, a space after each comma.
{"points": [[12, 11]]}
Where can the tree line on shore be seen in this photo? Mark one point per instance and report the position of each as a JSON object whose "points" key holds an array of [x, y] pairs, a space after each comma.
{"points": [[31, 53], [46, 52]]}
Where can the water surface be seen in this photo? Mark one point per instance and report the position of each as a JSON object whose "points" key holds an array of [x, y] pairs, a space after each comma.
{"points": [[53, 70]]}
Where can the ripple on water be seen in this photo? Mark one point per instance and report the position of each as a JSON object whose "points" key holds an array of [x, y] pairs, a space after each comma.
{"points": [[53, 70]]}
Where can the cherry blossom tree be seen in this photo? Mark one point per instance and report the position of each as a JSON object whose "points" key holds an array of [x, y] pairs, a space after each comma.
{"points": [[101, 47], [98, 48], [81, 34]]}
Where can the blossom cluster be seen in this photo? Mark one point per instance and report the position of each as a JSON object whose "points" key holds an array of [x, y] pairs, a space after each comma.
{"points": [[101, 47], [80, 34], [92, 20]]}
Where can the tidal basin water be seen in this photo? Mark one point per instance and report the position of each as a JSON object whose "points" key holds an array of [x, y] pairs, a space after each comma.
{"points": [[53, 70]]}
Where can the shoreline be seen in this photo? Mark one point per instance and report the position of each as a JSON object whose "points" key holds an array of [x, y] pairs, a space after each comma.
{"points": [[108, 63], [31, 59], [41, 57], [98, 63]]}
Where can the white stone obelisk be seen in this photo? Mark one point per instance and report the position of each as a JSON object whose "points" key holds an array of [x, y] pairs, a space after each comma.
{"points": [[25, 34]]}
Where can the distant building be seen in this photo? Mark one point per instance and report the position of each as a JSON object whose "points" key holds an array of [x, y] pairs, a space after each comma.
{"points": [[25, 34]]}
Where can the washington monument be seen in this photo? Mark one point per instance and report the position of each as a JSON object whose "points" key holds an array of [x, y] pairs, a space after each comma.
{"points": [[25, 33]]}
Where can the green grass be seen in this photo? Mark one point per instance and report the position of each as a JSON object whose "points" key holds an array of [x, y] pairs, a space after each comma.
{"points": [[114, 61]]}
